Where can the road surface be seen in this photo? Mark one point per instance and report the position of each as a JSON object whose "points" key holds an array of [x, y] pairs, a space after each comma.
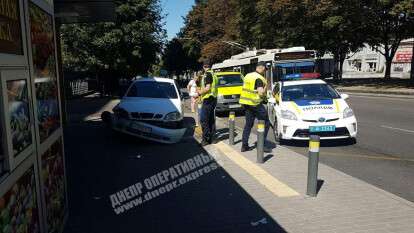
{"points": [[384, 152]]}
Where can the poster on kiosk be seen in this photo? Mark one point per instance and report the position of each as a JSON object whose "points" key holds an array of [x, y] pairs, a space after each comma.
{"points": [[32, 168]]}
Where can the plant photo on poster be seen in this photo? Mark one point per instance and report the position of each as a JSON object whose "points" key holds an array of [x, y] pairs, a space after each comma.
{"points": [[18, 105], [44, 66], [18, 207], [53, 180]]}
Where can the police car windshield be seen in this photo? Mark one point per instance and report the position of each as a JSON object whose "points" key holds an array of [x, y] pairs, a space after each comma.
{"points": [[150, 89], [309, 92], [230, 80]]}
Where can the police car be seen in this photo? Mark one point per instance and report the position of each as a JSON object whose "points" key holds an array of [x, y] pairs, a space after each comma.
{"points": [[299, 108]]}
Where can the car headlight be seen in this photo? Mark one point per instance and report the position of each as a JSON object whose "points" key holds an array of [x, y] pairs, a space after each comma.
{"points": [[348, 112], [220, 97], [286, 114], [173, 116]]}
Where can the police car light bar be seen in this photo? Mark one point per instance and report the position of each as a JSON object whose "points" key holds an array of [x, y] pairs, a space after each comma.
{"points": [[301, 76]]}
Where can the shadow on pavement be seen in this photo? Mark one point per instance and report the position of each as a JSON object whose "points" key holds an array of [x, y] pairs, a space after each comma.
{"points": [[226, 114], [80, 108], [324, 143], [100, 163], [319, 185]]}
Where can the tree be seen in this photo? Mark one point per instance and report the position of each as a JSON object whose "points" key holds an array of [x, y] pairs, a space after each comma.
{"points": [[412, 66], [127, 47], [175, 58], [207, 26], [389, 22], [328, 26]]}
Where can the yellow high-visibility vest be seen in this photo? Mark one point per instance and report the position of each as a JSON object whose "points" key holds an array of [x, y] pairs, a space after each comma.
{"points": [[213, 86], [249, 95]]}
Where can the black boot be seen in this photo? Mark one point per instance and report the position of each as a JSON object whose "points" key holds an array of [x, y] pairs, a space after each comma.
{"points": [[245, 148]]}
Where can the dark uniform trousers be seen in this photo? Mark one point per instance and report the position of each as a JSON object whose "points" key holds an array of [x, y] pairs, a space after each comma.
{"points": [[207, 119], [251, 113]]}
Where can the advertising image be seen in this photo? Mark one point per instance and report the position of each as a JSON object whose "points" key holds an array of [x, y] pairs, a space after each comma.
{"points": [[53, 180], [18, 206], [18, 104], [10, 29], [44, 66]]}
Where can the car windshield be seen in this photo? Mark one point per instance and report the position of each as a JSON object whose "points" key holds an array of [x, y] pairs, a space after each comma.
{"points": [[150, 89], [309, 92], [230, 80]]}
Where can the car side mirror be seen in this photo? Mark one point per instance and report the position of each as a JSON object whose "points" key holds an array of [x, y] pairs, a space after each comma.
{"points": [[344, 96]]}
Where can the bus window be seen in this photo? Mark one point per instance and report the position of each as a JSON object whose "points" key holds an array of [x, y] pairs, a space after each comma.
{"points": [[268, 77], [283, 69], [305, 67]]}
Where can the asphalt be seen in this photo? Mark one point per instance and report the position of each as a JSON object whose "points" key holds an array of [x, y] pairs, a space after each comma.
{"points": [[100, 162], [384, 152]]}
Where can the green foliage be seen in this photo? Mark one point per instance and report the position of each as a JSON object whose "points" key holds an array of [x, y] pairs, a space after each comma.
{"points": [[328, 26], [128, 46], [390, 22]]}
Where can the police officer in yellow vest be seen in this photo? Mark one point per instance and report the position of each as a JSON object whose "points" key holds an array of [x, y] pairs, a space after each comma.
{"points": [[253, 98], [208, 94]]}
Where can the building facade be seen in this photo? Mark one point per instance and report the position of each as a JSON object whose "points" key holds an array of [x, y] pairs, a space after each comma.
{"points": [[32, 165], [368, 60]]}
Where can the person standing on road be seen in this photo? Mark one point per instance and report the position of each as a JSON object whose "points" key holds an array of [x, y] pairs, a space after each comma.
{"points": [[253, 98], [192, 90], [199, 101], [208, 94]]}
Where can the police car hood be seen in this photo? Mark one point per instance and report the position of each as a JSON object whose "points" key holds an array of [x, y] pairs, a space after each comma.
{"points": [[316, 107]]}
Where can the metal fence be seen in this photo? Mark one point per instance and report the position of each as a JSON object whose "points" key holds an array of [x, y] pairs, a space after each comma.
{"points": [[80, 87]]}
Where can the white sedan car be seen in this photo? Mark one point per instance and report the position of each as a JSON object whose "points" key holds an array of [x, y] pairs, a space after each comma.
{"points": [[151, 109], [303, 107]]}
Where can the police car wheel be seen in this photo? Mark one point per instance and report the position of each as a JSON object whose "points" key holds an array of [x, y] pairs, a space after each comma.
{"points": [[275, 131]]}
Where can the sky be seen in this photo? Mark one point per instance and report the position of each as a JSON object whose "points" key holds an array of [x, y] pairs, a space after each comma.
{"points": [[175, 10]]}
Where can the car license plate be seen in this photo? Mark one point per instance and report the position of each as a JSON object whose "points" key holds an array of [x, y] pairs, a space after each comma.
{"points": [[234, 105], [141, 128], [322, 128]]}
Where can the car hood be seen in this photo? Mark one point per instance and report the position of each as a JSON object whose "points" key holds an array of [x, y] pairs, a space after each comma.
{"points": [[151, 105], [316, 108]]}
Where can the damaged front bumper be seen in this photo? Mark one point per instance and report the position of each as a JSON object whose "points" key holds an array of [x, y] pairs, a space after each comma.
{"points": [[159, 131]]}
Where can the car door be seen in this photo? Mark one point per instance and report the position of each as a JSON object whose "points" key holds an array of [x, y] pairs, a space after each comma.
{"points": [[273, 106]]}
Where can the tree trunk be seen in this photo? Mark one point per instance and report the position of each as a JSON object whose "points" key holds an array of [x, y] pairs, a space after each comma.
{"points": [[341, 66], [388, 61], [412, 67], [341, 61], [336, 61]]}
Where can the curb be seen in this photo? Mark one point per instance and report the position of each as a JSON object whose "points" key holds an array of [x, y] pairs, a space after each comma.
{"points": [[403, 93], [379, 190]]}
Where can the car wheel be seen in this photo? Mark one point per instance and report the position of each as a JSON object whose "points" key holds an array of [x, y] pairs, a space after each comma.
{"points": [[106, 118], [275, 131], [352, 141]]}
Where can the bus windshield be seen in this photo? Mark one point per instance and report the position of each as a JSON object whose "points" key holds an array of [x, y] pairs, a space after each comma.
{"points": [[289, 68], [309, 92], [230, 80]]}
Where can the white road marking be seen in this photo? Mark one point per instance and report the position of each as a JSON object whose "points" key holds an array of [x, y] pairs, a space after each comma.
{"points": [[403, 130], [407, 98]]}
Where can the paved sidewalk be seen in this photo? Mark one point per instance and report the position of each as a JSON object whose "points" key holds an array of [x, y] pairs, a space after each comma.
{"points": [[344, 204]]}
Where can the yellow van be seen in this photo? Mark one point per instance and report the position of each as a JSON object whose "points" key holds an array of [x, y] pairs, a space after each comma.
{"points": [[229, 85]]}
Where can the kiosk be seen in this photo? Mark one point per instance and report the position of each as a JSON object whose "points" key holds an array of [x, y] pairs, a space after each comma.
{"points": [[32, 165]]}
